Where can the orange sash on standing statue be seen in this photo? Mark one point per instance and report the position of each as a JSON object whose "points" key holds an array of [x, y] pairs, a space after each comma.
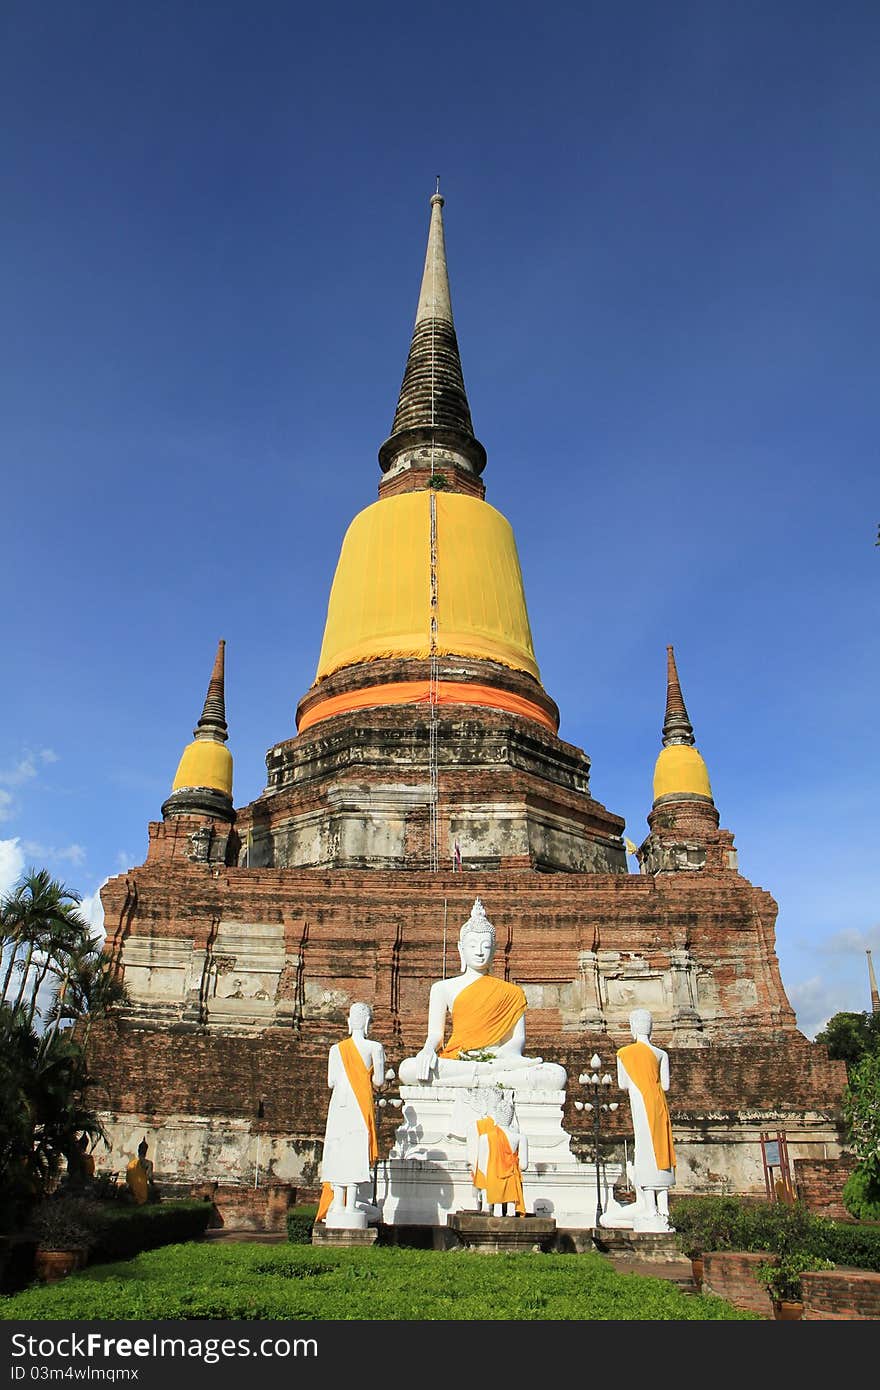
{"points": [[359, 1079], [502, 1179], [643, 1068]]}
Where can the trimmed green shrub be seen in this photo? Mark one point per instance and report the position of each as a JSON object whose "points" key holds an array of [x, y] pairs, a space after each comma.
{"points": [[300, 1220], [64, 1222], [861, 1195], [127, 1230], [708, 1223], [786, 1228], [782, 1277], [727, 1223], [858, 1246]]}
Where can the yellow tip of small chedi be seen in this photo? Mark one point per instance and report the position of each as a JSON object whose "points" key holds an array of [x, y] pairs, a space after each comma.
{"points": [[203, 781], [680, 770]]}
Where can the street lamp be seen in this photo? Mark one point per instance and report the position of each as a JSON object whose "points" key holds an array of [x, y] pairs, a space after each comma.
{"points": [[596, 1084], [381, 1104]]}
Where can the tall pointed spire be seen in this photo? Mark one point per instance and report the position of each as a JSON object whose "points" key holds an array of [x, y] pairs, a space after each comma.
{"points": [[872, 981], [432, 428], [203, 783], [212, 724], [677, 728], [679, 773]]}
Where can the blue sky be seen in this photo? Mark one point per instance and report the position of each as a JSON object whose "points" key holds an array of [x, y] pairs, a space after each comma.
{"points": [[662, 225]]}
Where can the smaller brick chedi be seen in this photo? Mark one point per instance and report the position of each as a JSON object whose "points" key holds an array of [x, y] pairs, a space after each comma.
{"points": [[426, 769]]}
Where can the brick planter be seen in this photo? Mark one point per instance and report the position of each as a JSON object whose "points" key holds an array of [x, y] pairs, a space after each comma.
{"points": [[732, 1274], [841, 1293]]}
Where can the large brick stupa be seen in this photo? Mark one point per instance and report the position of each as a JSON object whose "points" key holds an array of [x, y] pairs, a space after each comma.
{"points": [[426, 770]]}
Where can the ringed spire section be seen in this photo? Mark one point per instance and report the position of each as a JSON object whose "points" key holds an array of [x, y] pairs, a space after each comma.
{"points": [[203, 781], [432, 435]]}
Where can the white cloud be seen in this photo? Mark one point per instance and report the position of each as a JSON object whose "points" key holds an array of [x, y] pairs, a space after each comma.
{"points": [[24, 771], [852, 942], [93, 911], [11, 864], [73, 854], [816, 1000]]}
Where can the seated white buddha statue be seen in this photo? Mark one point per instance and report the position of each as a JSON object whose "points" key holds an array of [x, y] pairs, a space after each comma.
{"points": [[488, 1024]]}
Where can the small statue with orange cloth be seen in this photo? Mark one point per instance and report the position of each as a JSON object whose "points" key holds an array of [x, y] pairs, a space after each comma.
{"points": [[498, 1154], [139, 1175]]}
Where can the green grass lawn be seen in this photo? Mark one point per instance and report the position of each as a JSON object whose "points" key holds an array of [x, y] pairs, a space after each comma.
{"points": [[312, 1283]]}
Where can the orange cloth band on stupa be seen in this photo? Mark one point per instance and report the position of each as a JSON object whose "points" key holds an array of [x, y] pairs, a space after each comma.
{"points": [[483, 1015], [419, 693], [642, 1068]]}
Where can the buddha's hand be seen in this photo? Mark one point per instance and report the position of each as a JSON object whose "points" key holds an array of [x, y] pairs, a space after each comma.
{"points": [[426, 1061]]}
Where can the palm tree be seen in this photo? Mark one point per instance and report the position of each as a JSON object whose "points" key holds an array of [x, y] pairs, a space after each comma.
{"points": [[38, 913], [88, 988], [62, 941]]}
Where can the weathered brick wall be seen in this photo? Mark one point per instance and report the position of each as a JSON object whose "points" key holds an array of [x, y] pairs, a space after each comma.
{"points": [[819, 1182], [207, 1072], [241, 1208], [731, 1274], [378, 936], [841, 1294]]}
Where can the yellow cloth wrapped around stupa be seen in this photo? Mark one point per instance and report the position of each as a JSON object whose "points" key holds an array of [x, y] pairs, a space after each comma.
{"points": [[381, 599]]}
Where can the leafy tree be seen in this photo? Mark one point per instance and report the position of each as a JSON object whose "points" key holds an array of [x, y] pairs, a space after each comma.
{"points": [[41, 917], [44, 1100], [44, 1079], [861, 1111], [17, 1050], [88, 988], [851, 1036]]}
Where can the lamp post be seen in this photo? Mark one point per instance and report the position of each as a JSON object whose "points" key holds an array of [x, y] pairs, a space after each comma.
{"points": [[381, 1103], [597, 1084]]}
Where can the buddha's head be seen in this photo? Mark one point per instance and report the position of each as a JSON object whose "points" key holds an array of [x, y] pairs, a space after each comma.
{"points": [[360, 1016], [641, 1022], [476, 940]]}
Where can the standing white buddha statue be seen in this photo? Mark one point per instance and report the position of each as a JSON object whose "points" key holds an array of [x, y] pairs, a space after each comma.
{"points": [[355, 1068], [643, 1072]]}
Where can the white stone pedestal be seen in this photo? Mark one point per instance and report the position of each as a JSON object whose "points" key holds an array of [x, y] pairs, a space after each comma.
{"points": [[346, 1220], [427, 1176]]}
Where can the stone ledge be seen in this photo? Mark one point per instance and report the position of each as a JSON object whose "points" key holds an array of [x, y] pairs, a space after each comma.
{"points": [[334, 1236], [494, 1235]]}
